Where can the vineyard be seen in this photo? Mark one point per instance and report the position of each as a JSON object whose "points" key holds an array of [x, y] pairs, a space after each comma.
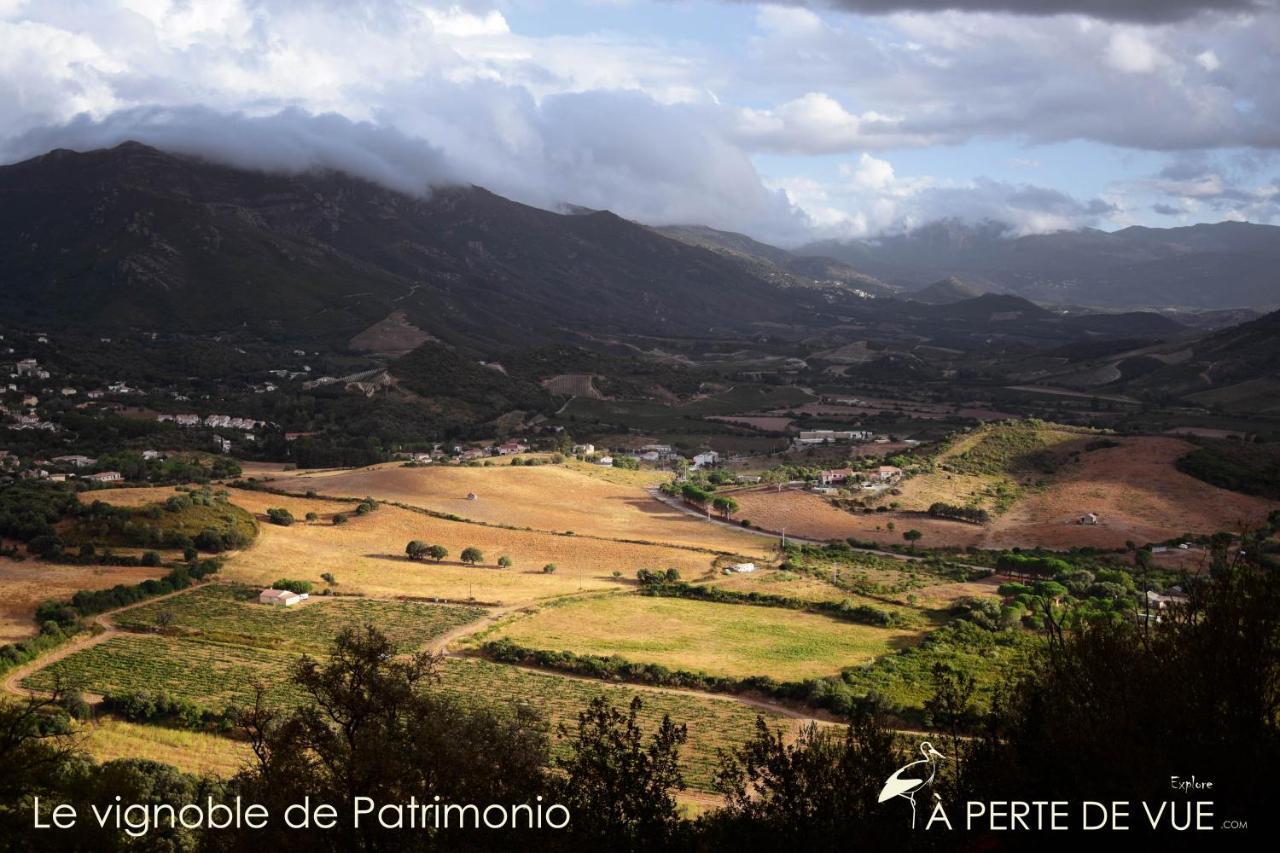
{"points": [[206, 674], [733, 640], [216, 675], [230, 613], [714, 723]]}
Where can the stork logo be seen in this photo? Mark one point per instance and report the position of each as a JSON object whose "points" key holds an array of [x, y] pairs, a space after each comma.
{"points": [[910, 779]]}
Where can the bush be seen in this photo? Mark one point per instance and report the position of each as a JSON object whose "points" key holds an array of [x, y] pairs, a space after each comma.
{"points": [[280, 516], [549, 569], [300, 587]]}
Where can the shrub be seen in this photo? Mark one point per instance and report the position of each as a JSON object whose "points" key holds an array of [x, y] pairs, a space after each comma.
{"points": [[280, 516], [300, 587]]}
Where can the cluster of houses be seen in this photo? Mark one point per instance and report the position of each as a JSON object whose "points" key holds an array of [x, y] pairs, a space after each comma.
{"points": [[60, 469], [213, 421]]}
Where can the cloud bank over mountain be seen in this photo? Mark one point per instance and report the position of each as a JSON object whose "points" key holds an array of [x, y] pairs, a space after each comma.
{"points": [[789, 122]]}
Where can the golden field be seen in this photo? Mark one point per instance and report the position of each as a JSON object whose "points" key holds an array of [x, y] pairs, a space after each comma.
{"points": [[603, 502], [28, 583], [367, 553], [189, 751], [734, 640]]}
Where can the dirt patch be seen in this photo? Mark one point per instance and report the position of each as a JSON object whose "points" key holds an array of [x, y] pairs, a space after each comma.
{"points": [[810, 516]]}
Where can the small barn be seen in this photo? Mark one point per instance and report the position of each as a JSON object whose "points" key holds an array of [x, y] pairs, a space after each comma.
{"points": [[280, 597]]}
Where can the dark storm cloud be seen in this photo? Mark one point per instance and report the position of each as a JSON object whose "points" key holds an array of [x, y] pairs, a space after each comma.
{"points": [[1135, 11]]}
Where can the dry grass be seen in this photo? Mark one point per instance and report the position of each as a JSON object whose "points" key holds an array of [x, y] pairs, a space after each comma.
{"points": [[192, 752], [30, 582], [733, 640], [1138, 494], [545, 497], [809, 516], [366, 553]]}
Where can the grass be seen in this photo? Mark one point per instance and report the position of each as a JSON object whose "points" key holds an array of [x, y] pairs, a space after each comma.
{"points": [[1010, 448], [230, 613], [812, 586], [731, 640], [189, 751], [27, 583], [215, 675]]}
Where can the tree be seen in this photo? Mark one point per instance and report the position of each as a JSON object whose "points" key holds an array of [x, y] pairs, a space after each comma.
{"points": [[504, 562], [311, 516], [549, 569], [472, 555], [328, 578], [437, 552], [300, 587], [912, 536], [416, 549], [620, 789], [810, 792], [726, 506], [372, 725]]}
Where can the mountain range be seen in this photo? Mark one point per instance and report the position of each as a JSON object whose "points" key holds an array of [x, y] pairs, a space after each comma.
{"points": [[1209, 266], [133, 237]]}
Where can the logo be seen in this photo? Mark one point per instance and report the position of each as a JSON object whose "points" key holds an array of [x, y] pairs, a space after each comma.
{"points": [[910, 779]]}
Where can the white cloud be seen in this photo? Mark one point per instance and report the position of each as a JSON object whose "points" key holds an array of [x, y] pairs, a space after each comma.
{"points": [[1132, 53], [1208, 60]]}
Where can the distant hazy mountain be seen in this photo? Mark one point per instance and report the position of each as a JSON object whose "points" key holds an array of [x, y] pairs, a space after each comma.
{"points": [[1225, 265], [774, 262], [133, 237]]}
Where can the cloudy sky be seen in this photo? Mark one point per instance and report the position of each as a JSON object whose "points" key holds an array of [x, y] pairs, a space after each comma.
{"points": [[790, 121]]}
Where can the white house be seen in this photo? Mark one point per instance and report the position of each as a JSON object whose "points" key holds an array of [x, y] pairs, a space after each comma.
{"points": [[281, 597], [1088, 518], [606, 461], [743, 568], [105, 477], [702, 460]]}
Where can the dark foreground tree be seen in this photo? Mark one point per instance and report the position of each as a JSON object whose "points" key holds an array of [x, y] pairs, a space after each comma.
{"points": [[620, 785], [816, 792], [371, 727], [1115, 710]]}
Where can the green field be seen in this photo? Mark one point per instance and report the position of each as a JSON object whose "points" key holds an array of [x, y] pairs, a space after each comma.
{"points": [[216, 675], [733, 640], [230, 613]]}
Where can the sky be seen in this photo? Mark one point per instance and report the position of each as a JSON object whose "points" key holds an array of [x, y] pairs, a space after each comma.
{"points": [[793, 121]]}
